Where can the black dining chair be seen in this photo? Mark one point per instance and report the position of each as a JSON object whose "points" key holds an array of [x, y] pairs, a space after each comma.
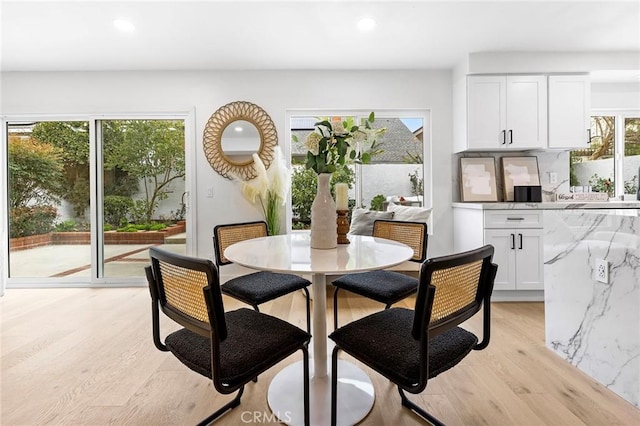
{"points": [[230, 348], [409, 347], [386, 286], [258, 287]]}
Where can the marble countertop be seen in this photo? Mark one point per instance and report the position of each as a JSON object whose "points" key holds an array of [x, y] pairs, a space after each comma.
{"points": [[550, 205]]}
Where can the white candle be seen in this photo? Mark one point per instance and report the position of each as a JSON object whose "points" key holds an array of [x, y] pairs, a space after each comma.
{"points": [[342, 198]]}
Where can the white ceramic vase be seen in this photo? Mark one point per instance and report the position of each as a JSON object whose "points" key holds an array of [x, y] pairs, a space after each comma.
{"points": [[324, 228]]}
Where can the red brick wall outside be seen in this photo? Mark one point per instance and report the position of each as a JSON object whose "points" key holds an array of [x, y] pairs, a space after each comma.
{"points": [[110, 237]]}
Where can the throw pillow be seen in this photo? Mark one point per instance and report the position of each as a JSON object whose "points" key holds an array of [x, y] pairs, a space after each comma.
{"points": [[362, 220], [409, 214]]}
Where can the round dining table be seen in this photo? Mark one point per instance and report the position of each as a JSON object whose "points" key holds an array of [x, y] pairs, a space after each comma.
{"points": [[292, 253]]}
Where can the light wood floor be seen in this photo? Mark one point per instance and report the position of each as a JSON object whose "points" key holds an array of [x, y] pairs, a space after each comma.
{"points": [[85, 356]]}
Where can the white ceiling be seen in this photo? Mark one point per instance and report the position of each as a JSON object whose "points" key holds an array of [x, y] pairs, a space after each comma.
{"points": [[214, 34]]}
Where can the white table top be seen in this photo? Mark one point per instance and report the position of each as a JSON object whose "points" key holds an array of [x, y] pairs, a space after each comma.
{"points": [[292, 253]]}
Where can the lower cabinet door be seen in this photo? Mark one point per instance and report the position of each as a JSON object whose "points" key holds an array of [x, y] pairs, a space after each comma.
{"points": [[504, 255], [529, 259], [518, 254]]}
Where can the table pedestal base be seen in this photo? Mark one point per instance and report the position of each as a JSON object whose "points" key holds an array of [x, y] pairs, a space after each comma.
{"points": [[355, 395]]}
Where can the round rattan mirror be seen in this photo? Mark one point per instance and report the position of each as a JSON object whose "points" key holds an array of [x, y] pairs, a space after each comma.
{"points": [[230, 163]]}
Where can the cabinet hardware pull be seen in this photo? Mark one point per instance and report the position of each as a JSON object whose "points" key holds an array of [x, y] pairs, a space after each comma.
{"points": [[589, 137], [520, 236], [515, 218], [504, 137], [510, 137], [513, 241]]}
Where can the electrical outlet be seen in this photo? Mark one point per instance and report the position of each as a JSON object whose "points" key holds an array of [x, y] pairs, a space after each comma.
{"points": [[553, 177], [210, 193], [602, 271]]}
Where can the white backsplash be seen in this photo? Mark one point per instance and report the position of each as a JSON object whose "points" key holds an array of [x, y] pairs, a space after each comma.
{"points": [[548, 162]]}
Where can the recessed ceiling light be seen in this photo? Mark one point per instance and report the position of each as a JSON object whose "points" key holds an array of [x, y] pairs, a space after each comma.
{"points": [[124, 25], [238, 128], [366, 24]]}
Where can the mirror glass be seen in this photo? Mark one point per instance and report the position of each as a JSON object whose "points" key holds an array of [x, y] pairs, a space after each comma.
{"points": [[240, 139]]}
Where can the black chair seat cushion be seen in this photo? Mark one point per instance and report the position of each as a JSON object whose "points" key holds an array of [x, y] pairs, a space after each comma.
{"points": [[254, 343], [260, 287], [382, 286], [383, 341]]}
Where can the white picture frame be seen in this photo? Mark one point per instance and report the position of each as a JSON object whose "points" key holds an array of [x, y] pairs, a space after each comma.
{"points": [[518, 171], [478, 179]]}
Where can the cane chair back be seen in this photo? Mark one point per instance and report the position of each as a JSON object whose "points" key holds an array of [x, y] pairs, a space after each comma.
{"points": [[225, 235], [413, 234]]}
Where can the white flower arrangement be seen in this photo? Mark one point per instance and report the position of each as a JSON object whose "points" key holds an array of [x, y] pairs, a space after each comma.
{"points": [[333, 144], [268, 190]]}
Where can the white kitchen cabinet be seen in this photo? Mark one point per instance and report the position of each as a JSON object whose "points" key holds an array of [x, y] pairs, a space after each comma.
{"points": [[518, 252], [516, 236], [569, 111], [506, 112]]}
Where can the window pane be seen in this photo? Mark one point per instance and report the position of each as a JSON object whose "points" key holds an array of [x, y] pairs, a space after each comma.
{"points": [[631, 170], [594, 166], [143, 188], [395, 171], [48, 199]]}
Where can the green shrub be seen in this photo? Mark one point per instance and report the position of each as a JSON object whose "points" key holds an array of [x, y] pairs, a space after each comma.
{"points": [[303, 191], [128, 228], [140, 210], [376, 202], [116, 209], [35, 220], [157, 227], [107, 227], [66, 226]]}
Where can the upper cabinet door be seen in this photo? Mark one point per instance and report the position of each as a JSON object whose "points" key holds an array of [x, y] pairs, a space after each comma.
{"points": [[486, 112], [506, 112], [526, 112], [569, 111]]}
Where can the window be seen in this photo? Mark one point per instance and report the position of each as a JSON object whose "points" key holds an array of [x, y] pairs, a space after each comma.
{"points": [[399, 169], [613, 156]]}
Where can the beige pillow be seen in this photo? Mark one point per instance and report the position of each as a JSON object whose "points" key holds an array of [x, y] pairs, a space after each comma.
{"points": [[409, 214], [362, 220]]}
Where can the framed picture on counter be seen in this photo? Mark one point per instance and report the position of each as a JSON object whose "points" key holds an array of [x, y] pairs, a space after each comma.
{"points": [[478, 179], [518, 171]]}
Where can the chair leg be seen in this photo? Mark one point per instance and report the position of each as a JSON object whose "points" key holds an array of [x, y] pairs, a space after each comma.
{"points": [[306, 292], [305, 364], [255, 379], [413, 407], [229, 406], [334, 386], [335, 308]]}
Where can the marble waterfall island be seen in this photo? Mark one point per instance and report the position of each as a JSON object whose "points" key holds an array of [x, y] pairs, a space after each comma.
{"points": [[595, 325]]}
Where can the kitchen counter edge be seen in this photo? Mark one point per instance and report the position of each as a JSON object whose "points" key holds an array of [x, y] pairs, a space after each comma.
{"points": [[548, 205]]}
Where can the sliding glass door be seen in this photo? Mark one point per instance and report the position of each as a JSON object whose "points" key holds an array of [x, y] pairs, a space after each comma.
{"points": [[87, 198], [143, 192], [48, 199]]}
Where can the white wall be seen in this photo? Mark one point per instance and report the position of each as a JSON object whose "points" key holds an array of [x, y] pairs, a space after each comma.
{"points": [[274, 91], [615, 96]]}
